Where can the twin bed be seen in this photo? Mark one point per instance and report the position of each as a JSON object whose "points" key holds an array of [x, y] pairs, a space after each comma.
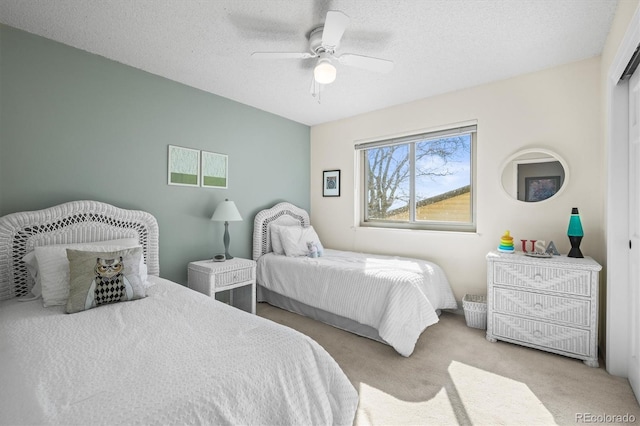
{"points": [[389, 299], [172, 357]]}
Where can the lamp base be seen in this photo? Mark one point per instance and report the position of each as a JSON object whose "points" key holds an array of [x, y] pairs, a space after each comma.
{"points": [[226, 241], [575, 247]]}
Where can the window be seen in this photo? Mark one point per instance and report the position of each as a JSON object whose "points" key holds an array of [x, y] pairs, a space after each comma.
{"points": [[422, 181]]}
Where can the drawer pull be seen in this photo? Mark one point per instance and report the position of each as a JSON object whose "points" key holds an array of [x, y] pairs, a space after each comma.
{"points": [[537, 306], [537, 333], [537, 278]]}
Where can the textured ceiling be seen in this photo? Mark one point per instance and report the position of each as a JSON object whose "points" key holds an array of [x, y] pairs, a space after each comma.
{"points": [[438, 46]]}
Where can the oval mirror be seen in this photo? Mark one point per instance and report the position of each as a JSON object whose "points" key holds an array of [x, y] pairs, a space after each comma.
{"points": [[534, 175]]}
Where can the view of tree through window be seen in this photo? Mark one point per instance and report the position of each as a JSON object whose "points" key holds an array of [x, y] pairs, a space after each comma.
{"points": [[423, 181]]}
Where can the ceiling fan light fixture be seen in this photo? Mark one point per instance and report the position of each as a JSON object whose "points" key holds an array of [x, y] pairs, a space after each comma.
{"points": [[324, 72]]}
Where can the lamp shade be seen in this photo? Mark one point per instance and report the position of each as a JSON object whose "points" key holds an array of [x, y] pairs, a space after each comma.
{"points": [[324, 72], [226, 212]]}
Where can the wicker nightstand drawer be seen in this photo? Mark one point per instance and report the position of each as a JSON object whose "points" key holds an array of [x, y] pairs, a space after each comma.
{"points": [[562, 280], [224, 279], [541, 334], [570, 311]]}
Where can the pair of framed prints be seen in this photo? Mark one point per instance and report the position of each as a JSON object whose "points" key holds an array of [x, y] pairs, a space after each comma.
{"points": [[192, 167]]}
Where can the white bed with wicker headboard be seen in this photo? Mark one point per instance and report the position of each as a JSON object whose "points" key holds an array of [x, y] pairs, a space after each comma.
{"points": [[387, 298], [172, 357]]}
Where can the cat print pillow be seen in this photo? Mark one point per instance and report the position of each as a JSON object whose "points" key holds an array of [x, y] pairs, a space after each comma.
{"points": [[102, 278]]}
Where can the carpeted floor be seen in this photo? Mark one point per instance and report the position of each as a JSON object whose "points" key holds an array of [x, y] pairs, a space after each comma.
{"points": [[456, 377]]}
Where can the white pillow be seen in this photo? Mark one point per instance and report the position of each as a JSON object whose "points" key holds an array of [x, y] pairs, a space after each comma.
{"points": [[276, 241], [32, 263], [51, 267], [32, 269], [294, 240]]}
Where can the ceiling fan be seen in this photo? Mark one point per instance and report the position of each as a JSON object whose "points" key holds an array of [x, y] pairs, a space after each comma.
{"points": [[323, 43]]}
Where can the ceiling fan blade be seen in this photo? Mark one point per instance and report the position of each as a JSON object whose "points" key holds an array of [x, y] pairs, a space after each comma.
{"points": [[282, 55], [366, 62], [334, 26]]}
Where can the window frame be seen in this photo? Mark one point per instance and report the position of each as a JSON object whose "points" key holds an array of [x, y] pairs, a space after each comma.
{"points": [[411, 139]]}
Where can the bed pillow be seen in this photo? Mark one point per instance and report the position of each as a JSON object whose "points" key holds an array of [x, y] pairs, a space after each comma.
{"points": [[274, 231], [295, 238], [276, 241], [32, 270], [99, 278], [52, 267], [32, 263]]}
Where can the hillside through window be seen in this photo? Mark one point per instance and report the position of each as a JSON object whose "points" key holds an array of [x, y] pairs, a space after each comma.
{"points": [[422, 181]]}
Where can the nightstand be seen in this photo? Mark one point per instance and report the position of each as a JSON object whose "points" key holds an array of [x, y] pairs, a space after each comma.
{"points": [[237, 276]]}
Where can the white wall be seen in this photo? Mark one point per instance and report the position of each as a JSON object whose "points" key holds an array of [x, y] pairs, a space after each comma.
{"points": [[557, 109]]}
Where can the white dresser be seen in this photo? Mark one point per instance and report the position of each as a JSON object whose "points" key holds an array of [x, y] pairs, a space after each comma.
{"points": [[549, 304]]}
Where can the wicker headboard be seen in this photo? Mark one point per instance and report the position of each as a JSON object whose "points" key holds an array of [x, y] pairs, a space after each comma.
{"points": [[73, 222], [282, 214]]}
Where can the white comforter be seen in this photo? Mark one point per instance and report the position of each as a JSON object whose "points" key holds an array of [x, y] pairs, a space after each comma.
{"points": [[396, 296], [175, 357]]}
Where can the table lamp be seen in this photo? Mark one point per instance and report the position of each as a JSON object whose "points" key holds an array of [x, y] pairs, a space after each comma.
{"points": [[226, 212]]}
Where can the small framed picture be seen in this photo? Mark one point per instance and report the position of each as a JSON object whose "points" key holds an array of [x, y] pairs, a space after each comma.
{"points": [[331, 183], [184, 166], [214, 170], [540, 188]]}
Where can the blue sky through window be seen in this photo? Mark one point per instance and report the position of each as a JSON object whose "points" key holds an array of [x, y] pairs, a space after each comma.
{"points": [[435, 174]]}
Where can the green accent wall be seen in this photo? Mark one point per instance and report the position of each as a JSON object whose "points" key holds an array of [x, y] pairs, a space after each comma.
{"points": [[75, 126]]}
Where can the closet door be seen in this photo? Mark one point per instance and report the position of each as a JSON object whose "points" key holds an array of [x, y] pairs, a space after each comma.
{"points": [[634, 232]]}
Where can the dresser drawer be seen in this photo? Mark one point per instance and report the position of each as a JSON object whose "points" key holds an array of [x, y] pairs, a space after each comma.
{"points": [[571, 311], [545, 335], [224, 279], [562, 280]]}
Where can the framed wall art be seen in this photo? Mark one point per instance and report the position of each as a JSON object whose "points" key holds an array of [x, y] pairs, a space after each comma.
{"points": [[184, 166], [214, 170], [540, 187], [331, 183]]}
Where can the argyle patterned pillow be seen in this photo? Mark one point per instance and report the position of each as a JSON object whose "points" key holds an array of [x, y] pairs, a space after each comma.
{"points": [[99, 278]]}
